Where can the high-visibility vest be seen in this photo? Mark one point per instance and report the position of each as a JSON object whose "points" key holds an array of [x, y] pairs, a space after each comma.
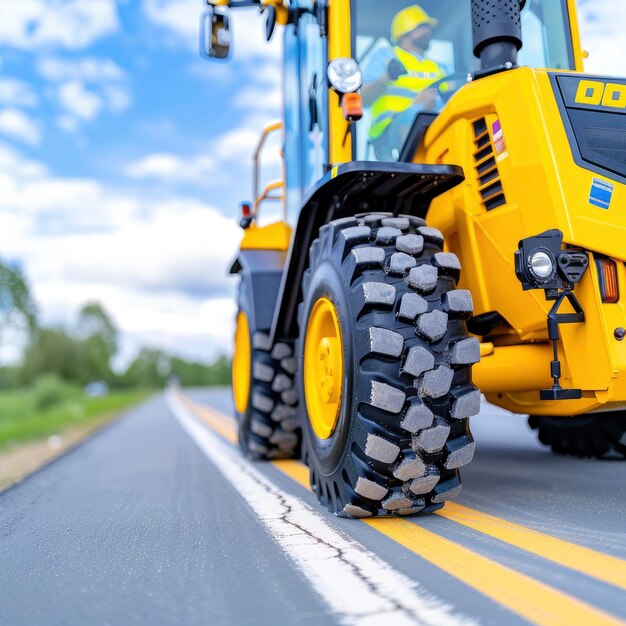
{"points": [[400, 94]]}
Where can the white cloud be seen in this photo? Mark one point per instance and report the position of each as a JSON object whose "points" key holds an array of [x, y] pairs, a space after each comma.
{"points": [[68, 123], [12, 164], [117, 97], [263, 92], [174, 15], [88, 69], [180, 17], [17, 92], [18, 125], [238, 143], [177, 325], [72, 24], [27, 189], [227, 150], [86, 87], [159, 265], [268, 74], [79, 101], [180, 246], [603, 35], [173, 168], [199, 67], [260, 98]]}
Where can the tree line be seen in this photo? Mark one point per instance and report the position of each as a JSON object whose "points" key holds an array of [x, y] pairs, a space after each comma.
{"points": [[83, 354]]}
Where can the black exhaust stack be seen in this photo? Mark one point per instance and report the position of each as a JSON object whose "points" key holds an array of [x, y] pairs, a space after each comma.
{"points": [[497, 31]]}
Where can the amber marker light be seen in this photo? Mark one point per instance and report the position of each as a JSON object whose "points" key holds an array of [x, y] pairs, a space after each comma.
{"points": [[607, 277], [352, 106]]}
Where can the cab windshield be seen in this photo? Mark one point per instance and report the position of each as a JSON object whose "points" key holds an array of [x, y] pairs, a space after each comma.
{"points": [[406, 73]]}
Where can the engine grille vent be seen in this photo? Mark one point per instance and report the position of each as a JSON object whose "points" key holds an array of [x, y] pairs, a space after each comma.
{"points": [[487, 174]]}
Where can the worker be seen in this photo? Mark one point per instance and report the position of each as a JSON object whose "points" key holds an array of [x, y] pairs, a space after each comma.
{"points": [[397, 80]]}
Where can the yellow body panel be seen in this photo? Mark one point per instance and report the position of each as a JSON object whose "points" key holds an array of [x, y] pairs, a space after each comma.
{"points": [[576, 47], [339, 45], [242, 364], [544, 189], [276, 236]]}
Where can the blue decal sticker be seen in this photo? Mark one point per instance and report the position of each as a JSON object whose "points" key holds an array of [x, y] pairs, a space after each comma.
{"points": [[601, 193]]}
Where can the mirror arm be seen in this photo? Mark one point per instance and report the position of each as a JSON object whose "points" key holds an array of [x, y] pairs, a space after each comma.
{"points": [[234, 4]]}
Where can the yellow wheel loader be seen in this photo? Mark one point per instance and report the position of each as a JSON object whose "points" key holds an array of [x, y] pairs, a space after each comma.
{"points": [[419, 139]]}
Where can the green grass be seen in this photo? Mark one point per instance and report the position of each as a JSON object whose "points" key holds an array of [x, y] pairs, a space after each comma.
{"points": [[21, 420]]}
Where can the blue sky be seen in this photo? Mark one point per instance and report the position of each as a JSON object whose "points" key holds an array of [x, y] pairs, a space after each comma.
{"points": [[123, 156]]}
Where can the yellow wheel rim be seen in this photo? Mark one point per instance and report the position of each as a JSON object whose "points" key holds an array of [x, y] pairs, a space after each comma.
{"points": [[242, 360], [323, 368]]}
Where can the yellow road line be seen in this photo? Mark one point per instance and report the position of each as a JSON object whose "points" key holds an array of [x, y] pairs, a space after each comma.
{"points": [[606, 568], [535, 601], [219, 422]]}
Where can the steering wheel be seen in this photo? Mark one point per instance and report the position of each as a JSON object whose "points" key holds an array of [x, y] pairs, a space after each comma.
{"points": [[445, 95]]}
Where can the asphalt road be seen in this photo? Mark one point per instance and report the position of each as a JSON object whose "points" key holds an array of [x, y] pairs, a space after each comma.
{"points": [[159, 520]]}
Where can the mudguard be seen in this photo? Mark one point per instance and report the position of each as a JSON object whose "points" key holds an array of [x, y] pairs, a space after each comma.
{"points": [[261, 272], [346, 190]]}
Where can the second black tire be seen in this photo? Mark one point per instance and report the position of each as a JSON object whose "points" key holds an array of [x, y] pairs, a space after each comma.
{"points": [[268, 427], [600, 435]]}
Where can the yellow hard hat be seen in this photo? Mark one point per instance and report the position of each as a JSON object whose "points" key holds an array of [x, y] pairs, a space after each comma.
{"points": [[409, 19]]}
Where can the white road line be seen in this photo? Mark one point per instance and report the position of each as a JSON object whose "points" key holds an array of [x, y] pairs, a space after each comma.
{"points": [[359, 587]]}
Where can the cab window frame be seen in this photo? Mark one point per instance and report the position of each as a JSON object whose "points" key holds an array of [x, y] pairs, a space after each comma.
{"points": [[308, 11], [355, 129]]}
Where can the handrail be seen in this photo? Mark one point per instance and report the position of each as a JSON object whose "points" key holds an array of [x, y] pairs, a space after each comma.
{"points": [[266, 195]]}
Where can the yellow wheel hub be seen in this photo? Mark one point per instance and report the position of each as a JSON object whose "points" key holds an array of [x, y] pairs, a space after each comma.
{"points": [[242, 362], [323, 368]]}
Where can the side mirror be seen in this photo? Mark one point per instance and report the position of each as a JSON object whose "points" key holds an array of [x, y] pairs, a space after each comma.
{"points": [[214, 34]]}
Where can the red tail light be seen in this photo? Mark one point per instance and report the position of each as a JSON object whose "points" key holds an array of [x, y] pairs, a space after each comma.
{"points": [[246, 209]]}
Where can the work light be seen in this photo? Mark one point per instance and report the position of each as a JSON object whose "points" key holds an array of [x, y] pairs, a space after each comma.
{"points": [[541, 264], [345, 75]]}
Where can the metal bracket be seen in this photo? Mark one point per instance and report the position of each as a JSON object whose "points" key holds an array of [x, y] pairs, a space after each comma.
{"points": [[555, 319]]}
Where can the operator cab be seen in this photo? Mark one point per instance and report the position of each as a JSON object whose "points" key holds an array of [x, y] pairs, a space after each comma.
{"points": [[547, 44]]}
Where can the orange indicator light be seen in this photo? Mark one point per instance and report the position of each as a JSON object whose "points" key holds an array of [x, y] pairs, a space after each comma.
{"points": [[607, 277], [352, 106]]}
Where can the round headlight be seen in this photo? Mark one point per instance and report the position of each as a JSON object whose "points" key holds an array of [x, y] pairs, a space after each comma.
{"points": [[345, 75], [541, 264]]}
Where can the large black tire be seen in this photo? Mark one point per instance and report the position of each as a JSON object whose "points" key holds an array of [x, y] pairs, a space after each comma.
{"points": [[269, 427], [602, 435], [402, 431]]}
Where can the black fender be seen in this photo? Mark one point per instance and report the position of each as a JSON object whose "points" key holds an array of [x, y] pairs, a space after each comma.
{"points": [[356, 187], [261, 272]]}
